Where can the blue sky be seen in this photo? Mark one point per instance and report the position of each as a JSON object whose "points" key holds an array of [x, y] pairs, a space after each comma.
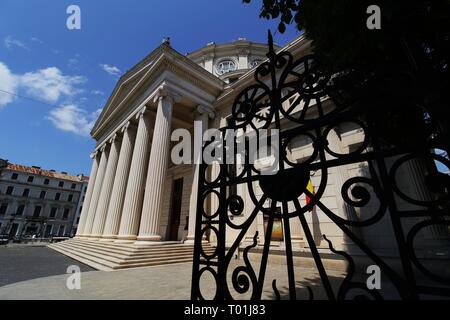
{"points": [[68, 74]]}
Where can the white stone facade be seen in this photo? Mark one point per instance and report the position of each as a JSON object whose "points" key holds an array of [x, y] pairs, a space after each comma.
{"points": [[131, 196], [38, 202]]}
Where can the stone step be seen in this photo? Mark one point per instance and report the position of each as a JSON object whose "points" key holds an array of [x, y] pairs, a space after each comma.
{"points": [[113, 256], [154, 263], [137, 251], [129, 248], [136, 255], [106, 265], [163, 254], [126, 246], [99, 264], [105, 257]]}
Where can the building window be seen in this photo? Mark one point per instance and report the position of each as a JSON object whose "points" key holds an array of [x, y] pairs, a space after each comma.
{"points": [[47, 182], [66, 214], [255, 63], [225, 66], [30, 179], [58, 196], [14, 176], [81, 209], [73, 186], [42, 195], [78, 220], [84, 197], [26, 193], [37, 211], [9, 191], [53, 212], [85, 189], [61, 184], [3, 208], [20, 210], [61, 230], [70, 198], [48, 230]]}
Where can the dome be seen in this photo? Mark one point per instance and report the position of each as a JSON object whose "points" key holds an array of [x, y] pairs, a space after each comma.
{"points": [[230, 60]]}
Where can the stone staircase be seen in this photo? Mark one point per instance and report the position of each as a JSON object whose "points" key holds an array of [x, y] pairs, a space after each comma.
{"points": [[109, 256]]}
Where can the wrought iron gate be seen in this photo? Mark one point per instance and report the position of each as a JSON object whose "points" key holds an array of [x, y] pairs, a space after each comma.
{"points": [[299, 100]]}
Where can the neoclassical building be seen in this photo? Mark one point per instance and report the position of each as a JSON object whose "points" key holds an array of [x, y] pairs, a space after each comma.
{"points": [[39, 202], [140, 208]]}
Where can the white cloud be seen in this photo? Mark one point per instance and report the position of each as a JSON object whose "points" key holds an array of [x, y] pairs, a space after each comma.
{"points": [[73, 119], [50, 84], [11, 42], [112, 70], [35, 39], [73, 63], [9, 83], [97, 93]]}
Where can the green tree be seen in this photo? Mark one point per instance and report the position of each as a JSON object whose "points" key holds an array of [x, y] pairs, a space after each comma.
{"points": [[395, 72]]}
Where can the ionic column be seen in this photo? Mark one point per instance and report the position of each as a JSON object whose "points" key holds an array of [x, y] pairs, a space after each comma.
{"points": [[96, 192], [115, 207], [341, 175], [204, 114], [105, 194], [129, 223], [296, 233], [159, 158], [87, 200]]}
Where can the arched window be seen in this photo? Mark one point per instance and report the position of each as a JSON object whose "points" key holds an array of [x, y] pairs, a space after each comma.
{"points": [[225, 66], [255, 63]]}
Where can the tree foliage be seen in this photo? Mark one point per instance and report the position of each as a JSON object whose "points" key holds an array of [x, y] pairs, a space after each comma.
{"points": [[339, 32]]}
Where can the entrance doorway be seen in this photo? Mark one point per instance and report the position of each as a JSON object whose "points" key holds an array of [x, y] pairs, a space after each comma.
{"points": [[175, 210]]}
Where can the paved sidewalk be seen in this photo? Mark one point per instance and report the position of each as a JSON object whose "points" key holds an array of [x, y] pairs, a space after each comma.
{"points": [[172, 282], [26, 262]]}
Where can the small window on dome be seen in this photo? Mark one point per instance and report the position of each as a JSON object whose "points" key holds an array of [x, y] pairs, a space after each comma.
{"points": [[225, 66], [255, 63]]}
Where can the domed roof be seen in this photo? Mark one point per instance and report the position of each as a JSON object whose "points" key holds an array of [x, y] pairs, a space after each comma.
{"points": [[230, 60]]}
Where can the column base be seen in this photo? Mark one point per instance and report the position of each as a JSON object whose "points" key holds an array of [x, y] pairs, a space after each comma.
{"points": [[190, 240], [298, 243], [125, 239], [149, 238], [142, 243], [108, 238]]}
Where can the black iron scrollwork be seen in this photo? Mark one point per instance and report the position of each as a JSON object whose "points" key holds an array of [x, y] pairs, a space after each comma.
{"points": [[297, 98]]}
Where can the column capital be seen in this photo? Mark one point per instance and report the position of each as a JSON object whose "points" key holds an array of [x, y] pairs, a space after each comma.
{"points": [[102, 148], [140, 113], [113, 138], [93, 155], [201, 109], [125, 127], [164, 92]]}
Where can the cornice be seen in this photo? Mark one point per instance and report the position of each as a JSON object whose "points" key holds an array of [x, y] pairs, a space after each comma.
{"points": [[165, 61]]}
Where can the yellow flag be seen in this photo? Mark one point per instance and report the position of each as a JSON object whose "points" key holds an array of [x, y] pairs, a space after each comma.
{"points": [[310, 188]]}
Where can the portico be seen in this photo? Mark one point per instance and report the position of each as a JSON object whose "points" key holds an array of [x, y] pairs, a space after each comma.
{"points": [[130, 197]]}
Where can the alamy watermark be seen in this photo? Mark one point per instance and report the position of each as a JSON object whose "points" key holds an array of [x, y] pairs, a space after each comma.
{"points": [[73, 281], [229, 146], [73, 21], [374, 280], [374, 20]]}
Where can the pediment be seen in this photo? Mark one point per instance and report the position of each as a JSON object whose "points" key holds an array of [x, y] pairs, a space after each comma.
{"points": [[136, 80]]}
